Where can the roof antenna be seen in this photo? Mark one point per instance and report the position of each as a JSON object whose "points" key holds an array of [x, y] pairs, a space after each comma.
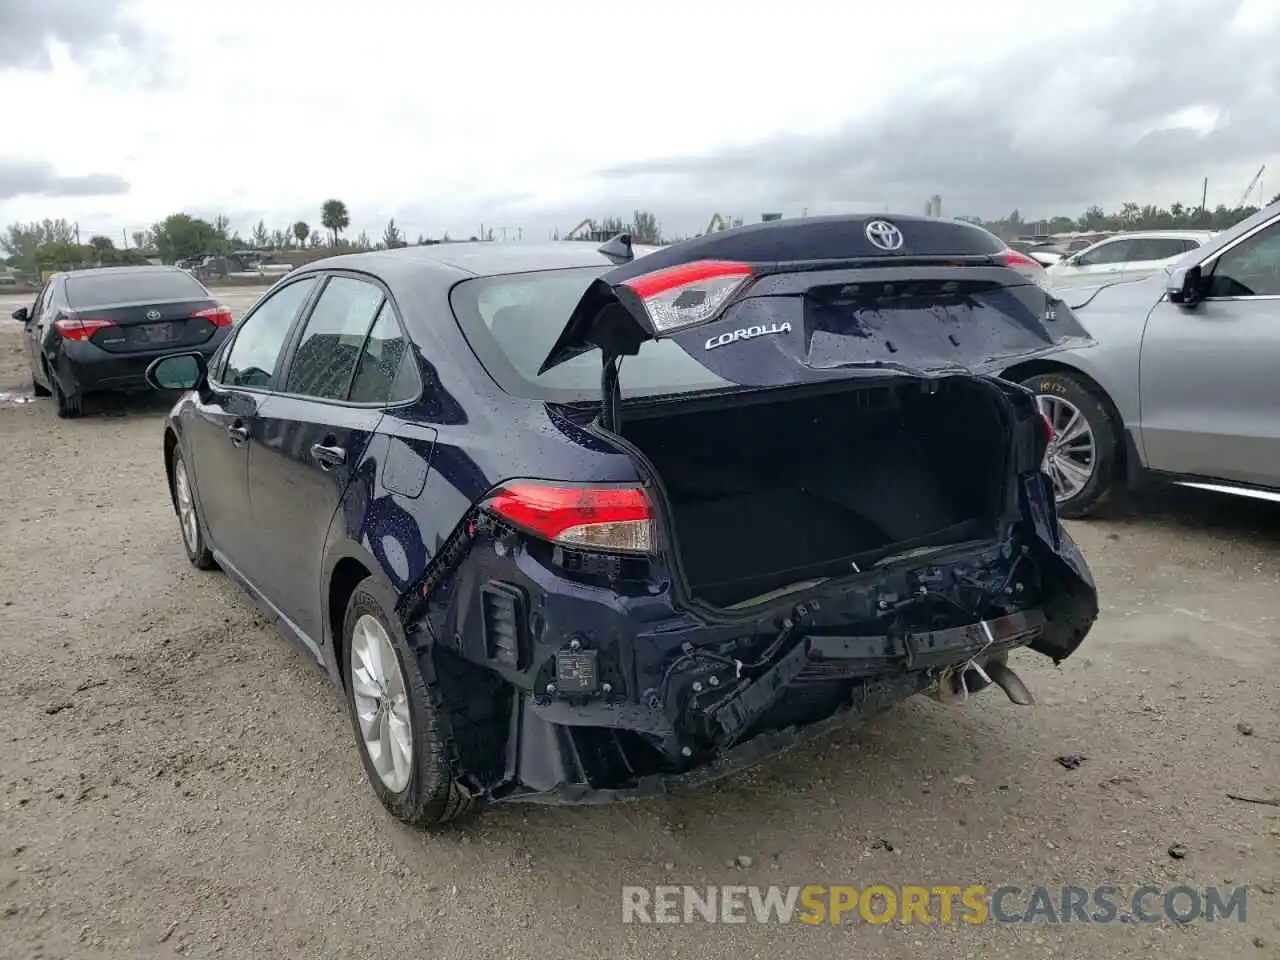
{"points": [[618, 249]]}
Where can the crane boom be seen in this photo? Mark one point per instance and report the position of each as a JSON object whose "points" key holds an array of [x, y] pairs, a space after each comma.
{"points": [[1252, 183]]}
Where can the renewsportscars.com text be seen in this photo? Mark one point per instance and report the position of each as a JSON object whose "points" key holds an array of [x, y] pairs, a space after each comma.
{"points": [[972, 904]]}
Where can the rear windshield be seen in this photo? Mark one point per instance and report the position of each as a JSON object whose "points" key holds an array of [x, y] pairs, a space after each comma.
{"points": [[133, 287], [512, 321]]}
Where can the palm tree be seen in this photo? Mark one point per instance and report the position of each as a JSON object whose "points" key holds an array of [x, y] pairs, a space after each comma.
{"points": [[301, 231], [334, 218]]}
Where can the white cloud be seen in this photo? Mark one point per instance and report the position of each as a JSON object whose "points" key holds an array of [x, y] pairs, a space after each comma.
{"points": [[503, 111]]}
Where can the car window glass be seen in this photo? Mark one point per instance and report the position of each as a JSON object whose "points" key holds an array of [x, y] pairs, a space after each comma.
{"points": [[335, 332], [386, 370], [261, 336], [133, 286], [1187, 245], [1156, 248], [42, 300], [1116, 252], [1250, 269]]}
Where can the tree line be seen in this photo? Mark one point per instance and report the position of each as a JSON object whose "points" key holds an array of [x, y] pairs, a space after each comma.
{"points": [[1130, 216], [54, 244]]}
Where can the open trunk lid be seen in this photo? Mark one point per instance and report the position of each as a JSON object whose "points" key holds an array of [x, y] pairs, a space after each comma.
{"points": [[827, 298]]}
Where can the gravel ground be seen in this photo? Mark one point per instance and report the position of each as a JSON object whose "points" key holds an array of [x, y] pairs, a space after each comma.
{"points": [[175, 778]]}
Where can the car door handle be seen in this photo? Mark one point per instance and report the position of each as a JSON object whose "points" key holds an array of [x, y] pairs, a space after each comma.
{"points": [[328, 456], [238, 433]]}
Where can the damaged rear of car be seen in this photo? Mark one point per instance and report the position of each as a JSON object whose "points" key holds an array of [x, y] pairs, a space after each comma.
{"points": [[792, 491]]}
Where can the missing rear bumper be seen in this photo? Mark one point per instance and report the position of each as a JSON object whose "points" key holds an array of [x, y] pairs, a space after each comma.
{"points": [[703, 730]]}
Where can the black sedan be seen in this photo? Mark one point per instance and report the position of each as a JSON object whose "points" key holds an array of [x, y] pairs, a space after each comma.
{"points": [[576, 524], [97, 330]]}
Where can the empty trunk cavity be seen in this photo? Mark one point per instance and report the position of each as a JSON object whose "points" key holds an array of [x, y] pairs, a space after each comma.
{"points": [[773, 494]]}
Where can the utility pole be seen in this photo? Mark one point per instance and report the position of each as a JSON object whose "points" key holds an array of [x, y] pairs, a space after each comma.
{"points": [[77, 233], [124, 238], [519, 233], [1204, 195]]}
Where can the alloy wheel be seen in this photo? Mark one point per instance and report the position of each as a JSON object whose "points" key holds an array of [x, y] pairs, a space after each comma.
{"points": [[381, 703], [186, 507], [1072, 454]]}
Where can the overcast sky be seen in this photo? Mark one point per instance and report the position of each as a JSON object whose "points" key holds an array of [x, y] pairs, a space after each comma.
{"points": [[535, 115]]}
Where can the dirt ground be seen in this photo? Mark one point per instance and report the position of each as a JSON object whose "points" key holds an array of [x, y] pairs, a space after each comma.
{"points": [[174, 778]]}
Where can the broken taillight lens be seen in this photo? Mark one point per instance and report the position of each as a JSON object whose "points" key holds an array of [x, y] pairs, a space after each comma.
{"points": [[688, 294], [609, 518]]}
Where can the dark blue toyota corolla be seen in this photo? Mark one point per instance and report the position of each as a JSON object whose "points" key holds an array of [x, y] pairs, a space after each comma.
{"points": [[575, 524]]}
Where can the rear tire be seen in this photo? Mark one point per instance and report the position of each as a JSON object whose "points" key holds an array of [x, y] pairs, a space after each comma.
{"points": [[69, 407], [1064, 394], [393, 690]]}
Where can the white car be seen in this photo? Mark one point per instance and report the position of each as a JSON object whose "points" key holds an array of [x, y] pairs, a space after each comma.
{"points": [[1126, 256]]}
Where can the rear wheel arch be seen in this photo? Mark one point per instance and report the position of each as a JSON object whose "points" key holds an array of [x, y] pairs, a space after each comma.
{"points": [[347, 575]]}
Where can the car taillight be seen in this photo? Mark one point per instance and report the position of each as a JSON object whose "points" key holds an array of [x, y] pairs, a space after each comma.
{"points": [[1028, 266], [614, 518], [72, 326], [688, 294], [219, 316]]}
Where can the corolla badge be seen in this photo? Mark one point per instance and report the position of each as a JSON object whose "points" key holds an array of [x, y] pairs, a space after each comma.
{"points": [[747, 333], [153, 314]]}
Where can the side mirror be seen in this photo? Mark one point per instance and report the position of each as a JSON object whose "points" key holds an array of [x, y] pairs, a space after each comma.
{"points": [[1183, 285], [21, 314], [178, 371]]}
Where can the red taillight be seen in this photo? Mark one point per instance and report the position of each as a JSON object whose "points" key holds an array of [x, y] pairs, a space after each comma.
{"points": [[1019, 261], [589, 517], [1029, 267], [690, 293], [74, 327], [219, 316]]}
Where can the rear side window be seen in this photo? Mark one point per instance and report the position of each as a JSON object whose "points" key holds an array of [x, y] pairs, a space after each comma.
{"points": [[386, 372], [127, 286], [325, 360], [1159, 248], [512, 321]]}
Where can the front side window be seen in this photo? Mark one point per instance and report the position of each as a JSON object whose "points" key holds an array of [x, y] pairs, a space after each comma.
{"points": [[1251, 268], [326, 357], [260, 340]]}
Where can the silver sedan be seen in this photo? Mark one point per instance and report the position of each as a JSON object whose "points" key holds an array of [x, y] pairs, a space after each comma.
{"points": [[1182, 385]]}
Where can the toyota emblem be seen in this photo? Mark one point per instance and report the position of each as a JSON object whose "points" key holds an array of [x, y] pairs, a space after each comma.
{"points": [[884, 235], [155, 314]]}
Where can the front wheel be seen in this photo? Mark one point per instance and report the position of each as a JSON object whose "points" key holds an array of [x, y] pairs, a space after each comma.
{"points": [[1082, 456], [400, 719], [184, 502]]}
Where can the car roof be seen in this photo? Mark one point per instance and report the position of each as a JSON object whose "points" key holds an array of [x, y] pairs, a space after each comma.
{"points": [[479, 258], [121, 271], [1160, 235]]}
